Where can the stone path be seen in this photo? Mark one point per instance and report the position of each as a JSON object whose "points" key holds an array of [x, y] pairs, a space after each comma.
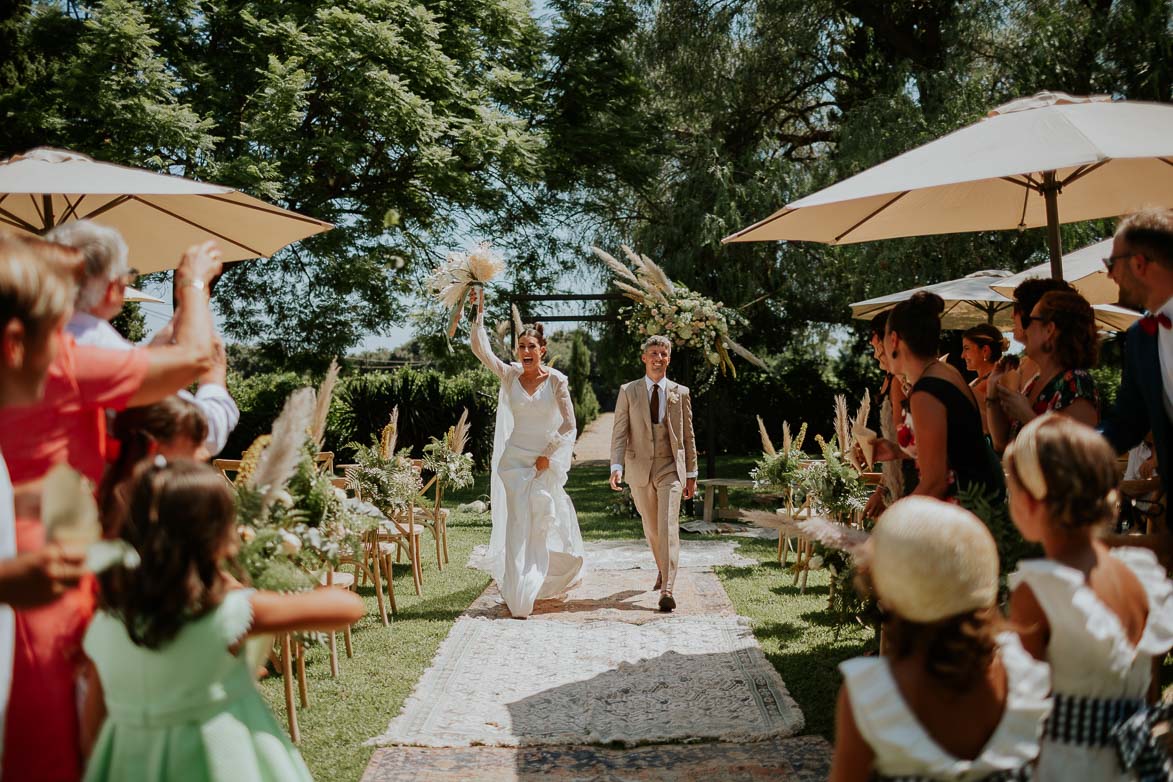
{"points": [[594, 444], [553, 696]]}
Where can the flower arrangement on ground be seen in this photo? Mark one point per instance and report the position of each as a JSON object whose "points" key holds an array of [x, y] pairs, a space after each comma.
{"points": [[452, 280], [671, 309], [445, 456]]}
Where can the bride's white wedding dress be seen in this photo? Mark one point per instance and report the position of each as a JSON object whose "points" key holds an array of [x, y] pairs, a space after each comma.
{"points": [[535, 551]]}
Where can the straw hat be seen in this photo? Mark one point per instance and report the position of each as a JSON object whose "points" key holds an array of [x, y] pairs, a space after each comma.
{"points": [[931, 560]]}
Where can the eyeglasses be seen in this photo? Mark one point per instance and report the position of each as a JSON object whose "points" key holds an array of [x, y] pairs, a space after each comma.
{"points": [[1110, 261], [1028, 319]]}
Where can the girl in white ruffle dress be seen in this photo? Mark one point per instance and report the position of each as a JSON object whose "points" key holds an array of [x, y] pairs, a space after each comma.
{"points": [[1099, 616], [953, 698]]}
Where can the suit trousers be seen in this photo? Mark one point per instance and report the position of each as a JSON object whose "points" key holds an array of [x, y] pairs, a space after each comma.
{"points": [[658, 503]]}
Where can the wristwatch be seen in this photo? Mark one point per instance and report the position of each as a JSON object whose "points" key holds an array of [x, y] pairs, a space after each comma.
{"points": [[199, 285]]}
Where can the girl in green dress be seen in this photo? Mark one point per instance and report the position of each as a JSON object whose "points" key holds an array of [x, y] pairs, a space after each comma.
{"points": [[174, 694]]}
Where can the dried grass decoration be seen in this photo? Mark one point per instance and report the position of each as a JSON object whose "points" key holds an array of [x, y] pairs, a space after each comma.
{"points": [[384, 478], [684, 316], [778, 470], [451, 281], [292, 522], [446, 457]]}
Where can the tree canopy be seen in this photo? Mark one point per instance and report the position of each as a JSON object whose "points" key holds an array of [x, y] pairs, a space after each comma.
{"points": [[666, 124]]}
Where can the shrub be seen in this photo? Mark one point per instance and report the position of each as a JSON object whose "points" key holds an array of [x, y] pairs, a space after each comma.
{"points": [[429, 403], [260, 399]]}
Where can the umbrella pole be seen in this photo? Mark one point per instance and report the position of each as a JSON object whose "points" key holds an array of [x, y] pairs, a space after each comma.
{"points": [[47, 203], [1050, 189]]}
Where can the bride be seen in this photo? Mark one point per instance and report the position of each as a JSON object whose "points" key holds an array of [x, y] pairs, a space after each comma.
{"points": [[535, 551]]}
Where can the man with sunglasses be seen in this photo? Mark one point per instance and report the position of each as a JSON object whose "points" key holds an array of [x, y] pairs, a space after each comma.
{"points": [[1141, 263], [100, 298]]}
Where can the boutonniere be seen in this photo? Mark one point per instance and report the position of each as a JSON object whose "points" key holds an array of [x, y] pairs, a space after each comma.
{"points": [[673, 397]]}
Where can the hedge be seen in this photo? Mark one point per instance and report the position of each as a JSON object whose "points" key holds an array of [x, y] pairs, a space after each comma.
{"points": [[429, 402]]}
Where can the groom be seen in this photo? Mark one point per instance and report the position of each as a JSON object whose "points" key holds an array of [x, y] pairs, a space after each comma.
{"points": [[652, 445]]}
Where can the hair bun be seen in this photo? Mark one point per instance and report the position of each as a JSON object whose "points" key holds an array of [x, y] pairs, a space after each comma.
{"points": [[539, 328], [928, 301]]}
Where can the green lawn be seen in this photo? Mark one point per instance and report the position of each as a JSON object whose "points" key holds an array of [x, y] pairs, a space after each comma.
{"points": [[371, 687]]}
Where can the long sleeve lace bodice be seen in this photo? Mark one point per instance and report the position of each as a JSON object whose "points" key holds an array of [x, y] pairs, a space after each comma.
{"points": [[509, 374]]}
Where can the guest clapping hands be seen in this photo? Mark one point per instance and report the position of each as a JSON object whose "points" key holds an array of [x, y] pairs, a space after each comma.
{"points": [[1060, 338]]}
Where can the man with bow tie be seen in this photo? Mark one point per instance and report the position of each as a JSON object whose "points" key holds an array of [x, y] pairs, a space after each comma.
{"points": [[652, 445], [1141, 263]]}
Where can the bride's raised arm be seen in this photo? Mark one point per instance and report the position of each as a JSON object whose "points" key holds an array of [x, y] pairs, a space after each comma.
{"points": [[479, 340]]}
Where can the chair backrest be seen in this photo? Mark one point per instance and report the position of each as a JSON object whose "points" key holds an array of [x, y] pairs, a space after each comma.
{"points": [[226, 466]]}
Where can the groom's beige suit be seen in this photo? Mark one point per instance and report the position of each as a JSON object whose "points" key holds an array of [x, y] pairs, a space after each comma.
{"points": [[656, 460]]}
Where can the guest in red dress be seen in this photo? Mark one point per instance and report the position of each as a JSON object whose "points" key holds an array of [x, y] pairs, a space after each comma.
{"points": [[42, 734]]}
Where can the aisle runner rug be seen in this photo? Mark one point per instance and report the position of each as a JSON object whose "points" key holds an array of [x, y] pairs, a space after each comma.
{"points": [[631, 554], [797, 759], [504, 682], [620, 595]]}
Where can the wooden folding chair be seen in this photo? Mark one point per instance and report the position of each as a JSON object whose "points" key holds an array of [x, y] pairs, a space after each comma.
{"points": [[226, 466], [402, 534], [430, 512], [347, 581], [373, 565]]}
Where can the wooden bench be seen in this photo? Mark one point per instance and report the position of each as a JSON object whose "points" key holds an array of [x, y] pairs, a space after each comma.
{"points": [[717, 489]]}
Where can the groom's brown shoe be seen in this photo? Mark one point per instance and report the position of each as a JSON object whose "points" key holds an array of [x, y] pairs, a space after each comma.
{"points": [[659, 582], [667, 603]]}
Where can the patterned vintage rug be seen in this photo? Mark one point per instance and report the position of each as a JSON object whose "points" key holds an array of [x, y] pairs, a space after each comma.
{"points": [[798, 759], [503, 682], [631, 554]]}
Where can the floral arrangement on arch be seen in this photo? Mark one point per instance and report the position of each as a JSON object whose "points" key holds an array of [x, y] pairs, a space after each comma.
{"points": [[446, 458], [684, 316], [292, 522], [451, 281]]}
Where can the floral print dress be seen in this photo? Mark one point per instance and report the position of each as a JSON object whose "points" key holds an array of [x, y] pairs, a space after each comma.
{"points": [[1064, 390]]}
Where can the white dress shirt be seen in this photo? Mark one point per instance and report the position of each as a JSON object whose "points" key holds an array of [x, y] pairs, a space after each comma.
{"points": [[662, 383], [213, 400], [1165, 354]]}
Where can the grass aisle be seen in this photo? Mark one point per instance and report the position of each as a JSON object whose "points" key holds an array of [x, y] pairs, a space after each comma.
{"points": [[388, 661]]}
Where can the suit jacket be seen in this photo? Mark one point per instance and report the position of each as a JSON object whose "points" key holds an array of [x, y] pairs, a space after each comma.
{"points": [[631, 437], [1139, 405]]}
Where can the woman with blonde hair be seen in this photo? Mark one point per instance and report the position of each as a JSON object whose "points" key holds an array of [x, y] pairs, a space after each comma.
{"points": [[1099, 616]]}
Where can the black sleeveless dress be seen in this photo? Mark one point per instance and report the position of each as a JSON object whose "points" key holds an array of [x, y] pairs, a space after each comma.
{"points": [[970, 457]]}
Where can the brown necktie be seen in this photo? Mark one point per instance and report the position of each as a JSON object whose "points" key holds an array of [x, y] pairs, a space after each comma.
{"points": [[655, 404]]}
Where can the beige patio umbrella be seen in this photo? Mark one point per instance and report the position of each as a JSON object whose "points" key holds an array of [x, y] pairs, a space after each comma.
{"points": [[159, 215], [1039, 161], [974, 299], [134, 294], [1083, 268]]}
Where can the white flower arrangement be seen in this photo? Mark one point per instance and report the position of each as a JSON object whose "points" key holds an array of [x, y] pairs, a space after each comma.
{"points": [[668, 308], [451, 281]]}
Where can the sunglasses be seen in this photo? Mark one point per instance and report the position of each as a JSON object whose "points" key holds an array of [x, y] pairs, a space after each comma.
{"points": [[1110, 261], [1028, 319]]}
